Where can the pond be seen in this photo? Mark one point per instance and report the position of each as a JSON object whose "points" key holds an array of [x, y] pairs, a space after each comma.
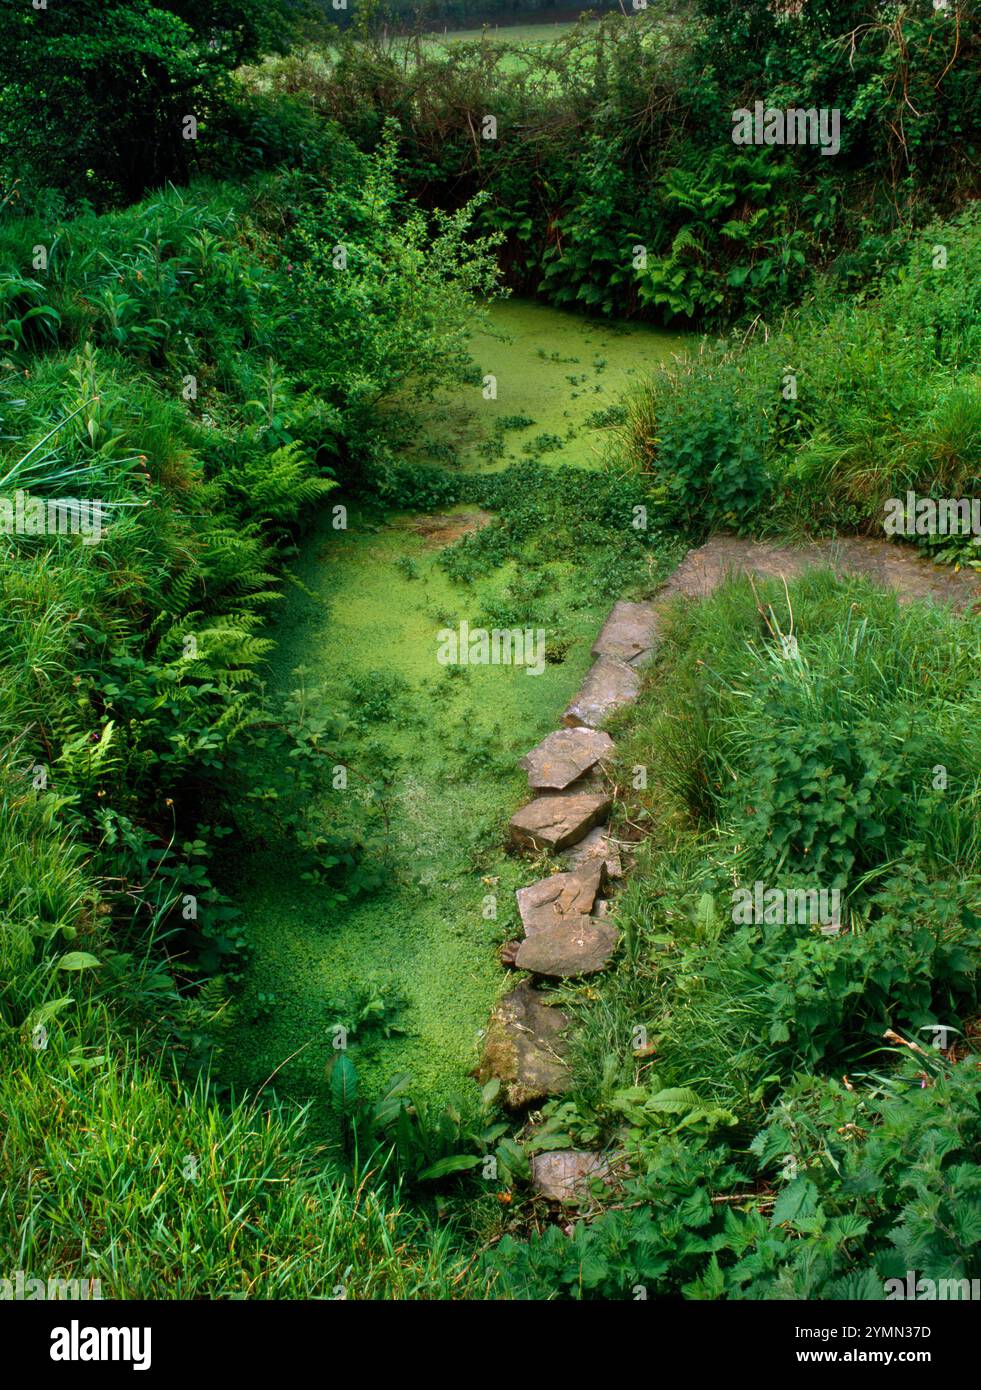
{"points": [[419, 955]]}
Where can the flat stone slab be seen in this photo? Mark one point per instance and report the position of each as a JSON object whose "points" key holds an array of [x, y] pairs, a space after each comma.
{"points": [[891, 564], [524, 1049], [629, 633], [553, 899], [561, 819], [564, 756], [596, 844], [573, 946], [564, 1175], [609, 684]]}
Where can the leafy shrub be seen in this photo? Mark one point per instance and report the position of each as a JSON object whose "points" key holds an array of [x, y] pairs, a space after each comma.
{"points": [[649, 1249], [706, 458], [120, 79], [872, 1182], [818, 428]]}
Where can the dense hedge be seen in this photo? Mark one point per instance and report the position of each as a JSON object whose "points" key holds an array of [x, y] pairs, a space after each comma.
{"points": [[611, 168]]}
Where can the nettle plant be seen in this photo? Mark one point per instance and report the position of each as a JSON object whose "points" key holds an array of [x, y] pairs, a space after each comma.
{"points": [[708, 456], [842, 1188], [907, 959]]}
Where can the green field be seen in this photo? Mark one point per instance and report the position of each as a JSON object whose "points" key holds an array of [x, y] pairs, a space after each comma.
{"points": [[506, 33]]}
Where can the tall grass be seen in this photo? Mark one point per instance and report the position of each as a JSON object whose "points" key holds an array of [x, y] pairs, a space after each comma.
{"points": [[848, 403], [890, 693], [161, 1191]]}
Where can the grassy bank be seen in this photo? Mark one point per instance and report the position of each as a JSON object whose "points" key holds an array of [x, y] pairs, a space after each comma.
{"points": [[142, 370], [781, 1143], [817, 421]]}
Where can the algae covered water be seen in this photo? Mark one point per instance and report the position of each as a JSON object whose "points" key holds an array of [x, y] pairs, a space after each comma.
{"points": [[559, 374], [414, 961]]}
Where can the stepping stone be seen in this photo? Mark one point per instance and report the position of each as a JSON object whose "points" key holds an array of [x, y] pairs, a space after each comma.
{"points": [[553, 822], [564, 756], [596, 845], [552, 899], [573, 946], [629, 633], [564, 1175], [609, 684], [524, 1049]]}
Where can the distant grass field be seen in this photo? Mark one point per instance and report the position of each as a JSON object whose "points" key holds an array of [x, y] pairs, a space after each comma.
{"points": [[523, 39], [506, 33]]}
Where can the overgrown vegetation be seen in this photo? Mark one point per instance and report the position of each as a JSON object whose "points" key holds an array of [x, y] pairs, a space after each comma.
{"points": [[609, 161], [792, 1129], [218, 330], [818, 422], [170, 364]]}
